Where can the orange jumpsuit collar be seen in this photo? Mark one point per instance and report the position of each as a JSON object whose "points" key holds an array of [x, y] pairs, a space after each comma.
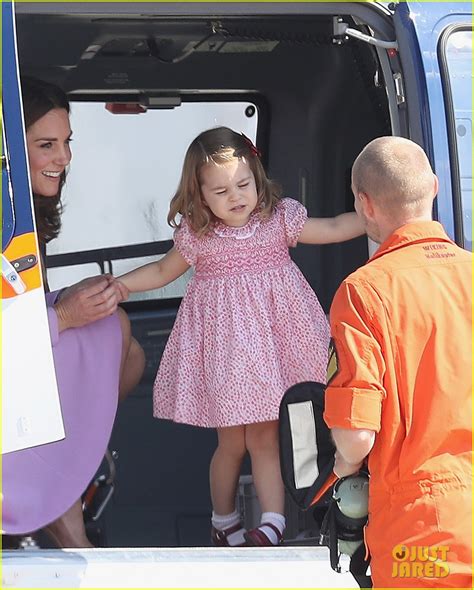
{"points": [[411, 233]]}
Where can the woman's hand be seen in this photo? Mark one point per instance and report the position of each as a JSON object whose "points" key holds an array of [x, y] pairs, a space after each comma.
{"points": [[87, 301], [342, 468]]}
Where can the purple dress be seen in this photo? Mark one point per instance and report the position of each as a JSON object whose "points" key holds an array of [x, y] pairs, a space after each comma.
{"points": [[41, 483], [248, 328]]}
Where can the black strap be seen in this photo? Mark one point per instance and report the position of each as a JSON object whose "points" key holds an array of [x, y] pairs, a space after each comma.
{"points": [[358, 567], [329, 536]]}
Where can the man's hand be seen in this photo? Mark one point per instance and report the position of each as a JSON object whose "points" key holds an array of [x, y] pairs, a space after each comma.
{"points": [[87, 301], [353, 444], [342, 468]]}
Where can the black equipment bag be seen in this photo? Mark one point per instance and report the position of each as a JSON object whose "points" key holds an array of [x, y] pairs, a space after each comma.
{"points": [[307, 460], [306, 447]]}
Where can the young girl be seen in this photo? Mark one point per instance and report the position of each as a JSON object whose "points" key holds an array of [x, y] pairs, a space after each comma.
{"points": [[249, 325]]}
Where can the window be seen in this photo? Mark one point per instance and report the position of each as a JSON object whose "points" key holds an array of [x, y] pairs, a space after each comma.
{"points": [[458, 91], [124, 172]]}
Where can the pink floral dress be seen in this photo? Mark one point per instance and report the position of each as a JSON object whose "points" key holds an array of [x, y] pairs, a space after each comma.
{"points": [[248, 328]]}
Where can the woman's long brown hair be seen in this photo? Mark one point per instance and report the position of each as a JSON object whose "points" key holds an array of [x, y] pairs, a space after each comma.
{"points": [[39, 98]]}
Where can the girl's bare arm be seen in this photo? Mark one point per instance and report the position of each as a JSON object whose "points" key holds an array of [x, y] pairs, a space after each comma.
{"points": [[156, 274], [329, 230]]}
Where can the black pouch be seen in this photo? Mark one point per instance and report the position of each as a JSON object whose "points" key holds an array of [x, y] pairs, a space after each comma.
{"points": [[306, 447], [307, 460]]}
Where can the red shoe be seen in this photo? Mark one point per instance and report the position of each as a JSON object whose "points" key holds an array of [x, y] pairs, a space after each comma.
{"points": [[257, 538], [219, 538]]}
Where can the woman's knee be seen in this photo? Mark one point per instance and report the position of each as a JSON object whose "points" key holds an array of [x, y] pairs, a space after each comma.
{"points": [[133, 366], [136, 358], [125, 328]]}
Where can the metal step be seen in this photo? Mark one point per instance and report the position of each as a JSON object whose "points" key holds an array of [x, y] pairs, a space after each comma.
{"points": [[246, 567]]}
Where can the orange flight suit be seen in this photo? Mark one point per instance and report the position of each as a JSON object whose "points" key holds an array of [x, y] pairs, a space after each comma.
{"points": [[401, 328]]}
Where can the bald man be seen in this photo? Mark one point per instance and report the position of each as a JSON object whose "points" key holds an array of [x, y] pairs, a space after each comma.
{"points": [[400, 388]]}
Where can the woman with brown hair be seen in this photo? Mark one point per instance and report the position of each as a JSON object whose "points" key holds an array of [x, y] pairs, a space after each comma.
{"points": [[96, 359]]}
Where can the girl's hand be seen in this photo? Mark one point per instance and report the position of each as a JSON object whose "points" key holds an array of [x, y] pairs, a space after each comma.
{"points": [[330, 230], [342, 468], [122, 291], [87, 301]]}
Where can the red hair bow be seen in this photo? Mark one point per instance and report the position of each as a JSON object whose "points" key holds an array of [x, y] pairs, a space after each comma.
{"points": [[253, 149]]}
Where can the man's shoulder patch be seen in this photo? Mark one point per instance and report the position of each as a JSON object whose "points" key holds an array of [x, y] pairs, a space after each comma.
{"points": [[333, 364]]}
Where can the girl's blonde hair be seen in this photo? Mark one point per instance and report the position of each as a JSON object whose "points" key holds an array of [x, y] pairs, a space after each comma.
{"points": [[218, 146]]}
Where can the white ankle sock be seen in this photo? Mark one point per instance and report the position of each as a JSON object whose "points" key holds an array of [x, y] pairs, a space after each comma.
{"points": [[277, 520], [223, 522]]}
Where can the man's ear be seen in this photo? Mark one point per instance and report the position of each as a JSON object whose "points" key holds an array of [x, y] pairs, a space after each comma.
{"points": [[366, 205], [435, 186]]}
